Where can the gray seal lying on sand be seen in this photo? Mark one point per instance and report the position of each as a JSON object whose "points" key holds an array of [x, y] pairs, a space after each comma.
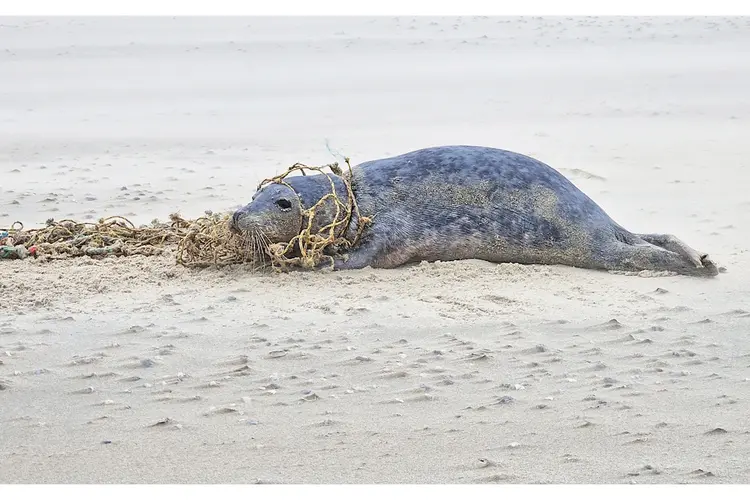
{"points": [[467, 202]]}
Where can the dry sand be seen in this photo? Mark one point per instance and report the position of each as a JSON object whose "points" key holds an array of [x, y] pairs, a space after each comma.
{"points": [[135, 370]]}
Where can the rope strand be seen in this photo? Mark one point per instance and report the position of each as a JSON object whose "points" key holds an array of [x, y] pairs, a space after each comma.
{"points": [[203, 242]]}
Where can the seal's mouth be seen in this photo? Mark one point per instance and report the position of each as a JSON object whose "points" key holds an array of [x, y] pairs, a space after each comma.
{"points": [[255, 242]]}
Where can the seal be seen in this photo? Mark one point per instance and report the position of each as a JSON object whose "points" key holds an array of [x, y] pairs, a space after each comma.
{"points": [[466, 202]]}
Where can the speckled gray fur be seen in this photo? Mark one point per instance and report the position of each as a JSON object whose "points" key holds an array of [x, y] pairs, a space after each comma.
{"points": [[469, 202]]}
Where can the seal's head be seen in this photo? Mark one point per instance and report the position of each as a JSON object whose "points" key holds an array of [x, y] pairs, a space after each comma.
{"points": [[274, 215], [278, 212]]}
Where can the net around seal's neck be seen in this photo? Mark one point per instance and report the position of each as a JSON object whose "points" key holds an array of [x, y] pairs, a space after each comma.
{"points": [[310, 243]]}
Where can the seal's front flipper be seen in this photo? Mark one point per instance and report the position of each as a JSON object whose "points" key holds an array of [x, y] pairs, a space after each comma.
{"points": [[369, 252], [355, 259]]}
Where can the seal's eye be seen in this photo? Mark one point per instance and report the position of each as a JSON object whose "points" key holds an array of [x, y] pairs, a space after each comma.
{"points": [[284, 204]]}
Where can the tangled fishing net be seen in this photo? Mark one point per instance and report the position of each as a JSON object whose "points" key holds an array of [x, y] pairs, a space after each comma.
{"points": [[203, 242], [307, 249]]}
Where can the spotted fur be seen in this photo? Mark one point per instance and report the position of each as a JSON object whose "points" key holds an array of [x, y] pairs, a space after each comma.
{"points": [[469, 202]]}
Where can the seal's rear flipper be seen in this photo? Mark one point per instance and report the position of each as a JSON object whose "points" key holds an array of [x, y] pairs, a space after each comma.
{"points": [[649, 256], [674, 244], [709, 265]]}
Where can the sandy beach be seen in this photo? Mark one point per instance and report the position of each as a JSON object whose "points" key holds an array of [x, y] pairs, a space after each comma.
{"points": [[136, 370]]}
